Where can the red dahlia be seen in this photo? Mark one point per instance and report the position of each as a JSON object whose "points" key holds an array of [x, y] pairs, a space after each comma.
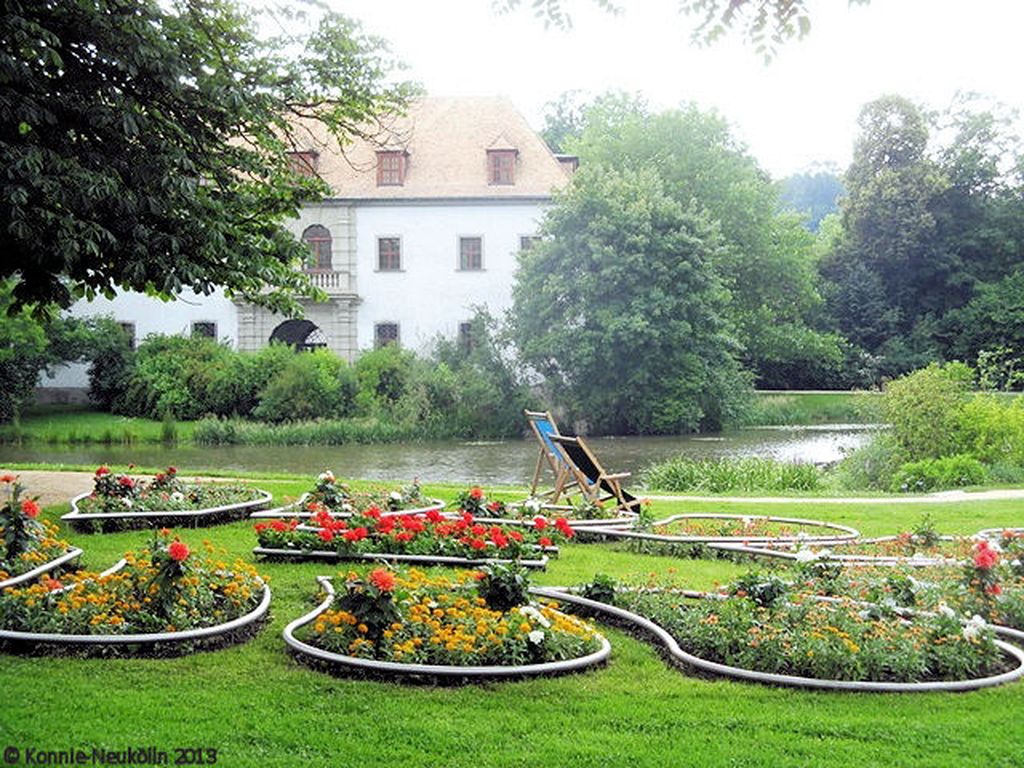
{"points": [[178, 551], [382, 579]]}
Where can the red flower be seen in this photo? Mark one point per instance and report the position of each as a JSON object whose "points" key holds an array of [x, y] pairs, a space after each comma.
{"points": [[325, 534], [172, 470], [382, 579], [540, 523], [7, 479], [477, 543], [500, 540], [995, 589], [476, 492], [467, 518], [178, 551], [478, 530], [160, 477], [984, 556], [126, 482], [260, 527], [279, 525], [30, 508], [386, 525], [515, 535], [373, 512], [404, 536], [102, 471], [435, 516], [356, 534], [544, 541], [52, 584], [494, 506], [164, 532]]}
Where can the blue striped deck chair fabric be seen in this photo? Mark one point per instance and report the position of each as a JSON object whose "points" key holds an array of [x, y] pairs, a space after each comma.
{"points": [[544, 429]]}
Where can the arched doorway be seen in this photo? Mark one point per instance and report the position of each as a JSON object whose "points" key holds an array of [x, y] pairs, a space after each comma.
{"points": [[301, 334]]}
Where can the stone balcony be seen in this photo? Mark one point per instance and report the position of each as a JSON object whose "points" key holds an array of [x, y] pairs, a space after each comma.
{"points": [[332, 282]]}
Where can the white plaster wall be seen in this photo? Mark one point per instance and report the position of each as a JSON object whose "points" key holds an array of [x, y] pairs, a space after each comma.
{"points": [[430, 295], [151, 316]]}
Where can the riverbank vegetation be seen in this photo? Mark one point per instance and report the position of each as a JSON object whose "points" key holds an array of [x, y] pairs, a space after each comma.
{"points": [[637, 709]]}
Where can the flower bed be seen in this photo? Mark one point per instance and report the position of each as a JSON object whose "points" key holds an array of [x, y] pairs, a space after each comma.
{"points": [[764, 631], [582, 515], [29, 547], [120, 502], [338, 499], [472, 625], [160, 596], [429, 537]]}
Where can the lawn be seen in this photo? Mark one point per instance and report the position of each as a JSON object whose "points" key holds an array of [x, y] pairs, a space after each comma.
{"points": [[257, 706]]}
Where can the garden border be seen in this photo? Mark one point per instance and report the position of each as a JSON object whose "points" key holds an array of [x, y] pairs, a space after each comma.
{"points": [[883, 561], [676, 652], [435, 504], [148, 638], [182, 516], [303, 554], [396, 669], [848, 533], [39, 570]]}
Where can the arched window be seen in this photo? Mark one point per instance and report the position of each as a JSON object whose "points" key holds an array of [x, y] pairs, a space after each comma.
{"points": [[319, 240]]}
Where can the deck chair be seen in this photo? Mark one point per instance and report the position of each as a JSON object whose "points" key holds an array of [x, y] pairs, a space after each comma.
{"points": [[544, 429], [594, 482]]}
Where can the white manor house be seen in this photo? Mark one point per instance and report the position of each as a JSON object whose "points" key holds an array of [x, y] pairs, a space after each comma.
{"points": [[417, 230]]}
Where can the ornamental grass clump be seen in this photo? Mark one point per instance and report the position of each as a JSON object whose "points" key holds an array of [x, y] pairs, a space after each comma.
{"points": [[166, 587], [411, 617], [26, 542]]}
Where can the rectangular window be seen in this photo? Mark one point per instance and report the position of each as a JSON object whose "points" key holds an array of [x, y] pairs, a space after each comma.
{"points": [[204, 328], [304, 163], [466, 337], [501, 166], [471, 253], [526, 242], [390, 169], [129, 331], [384, 334], [389, 254]]}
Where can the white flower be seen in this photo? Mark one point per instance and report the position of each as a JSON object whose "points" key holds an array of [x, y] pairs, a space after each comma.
{"points": [[536, 637], [801, 535], [395, 496], [326, 476], [177, 496], [127, 502], [533, 506], [532, 613], [973, 627], [346, 507], [747, 521], [1015, 563], [807, 555], [946, 611]]}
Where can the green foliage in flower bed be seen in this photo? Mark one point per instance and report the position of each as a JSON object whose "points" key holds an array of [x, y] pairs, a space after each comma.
{"points": [[338, 497], [26, 542], [683, 474], [765, 627], [414, 618], [165, 493], [164, 587]]}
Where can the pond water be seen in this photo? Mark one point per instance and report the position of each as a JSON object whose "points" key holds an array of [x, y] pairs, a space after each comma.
{"points": [[488, 463]]}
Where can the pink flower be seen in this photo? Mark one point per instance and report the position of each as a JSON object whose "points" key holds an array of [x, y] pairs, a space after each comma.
{"points": [[984, 556]]}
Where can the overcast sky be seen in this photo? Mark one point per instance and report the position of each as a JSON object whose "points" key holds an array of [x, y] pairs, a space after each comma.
{"points": [[799, 110]]}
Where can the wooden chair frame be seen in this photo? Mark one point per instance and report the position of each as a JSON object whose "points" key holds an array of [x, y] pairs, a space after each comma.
{"points": [[593, 480], [544, 429]]}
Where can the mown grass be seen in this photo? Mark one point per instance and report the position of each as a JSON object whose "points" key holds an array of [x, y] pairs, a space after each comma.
{"points": [[259, 707], [80, 425]]}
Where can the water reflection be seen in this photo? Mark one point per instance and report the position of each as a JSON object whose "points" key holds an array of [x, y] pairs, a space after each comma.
{"points": [[487, 462]]}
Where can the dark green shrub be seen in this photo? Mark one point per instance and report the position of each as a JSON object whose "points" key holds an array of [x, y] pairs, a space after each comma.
{"points": [[112, 366], [503, 587], [382, 375], [312, 385], [235, 389], [939, 474]]}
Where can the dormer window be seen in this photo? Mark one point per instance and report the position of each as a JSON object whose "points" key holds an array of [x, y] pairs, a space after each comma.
{"points": [[304, 163], [391, 168], [501, 166]]}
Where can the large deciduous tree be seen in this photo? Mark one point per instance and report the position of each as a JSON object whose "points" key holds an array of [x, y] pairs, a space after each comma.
{"points": [[620, 308], [143, 144]]}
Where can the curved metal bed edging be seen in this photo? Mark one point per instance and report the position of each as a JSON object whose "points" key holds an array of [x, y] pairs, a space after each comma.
{"points": [[39, 570], [188, 514], [435, 505], [432, 670], [147, 638], [795, 681], [994, 534], [579, 525], [397, 558], [879, 560], [846, 534]]}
